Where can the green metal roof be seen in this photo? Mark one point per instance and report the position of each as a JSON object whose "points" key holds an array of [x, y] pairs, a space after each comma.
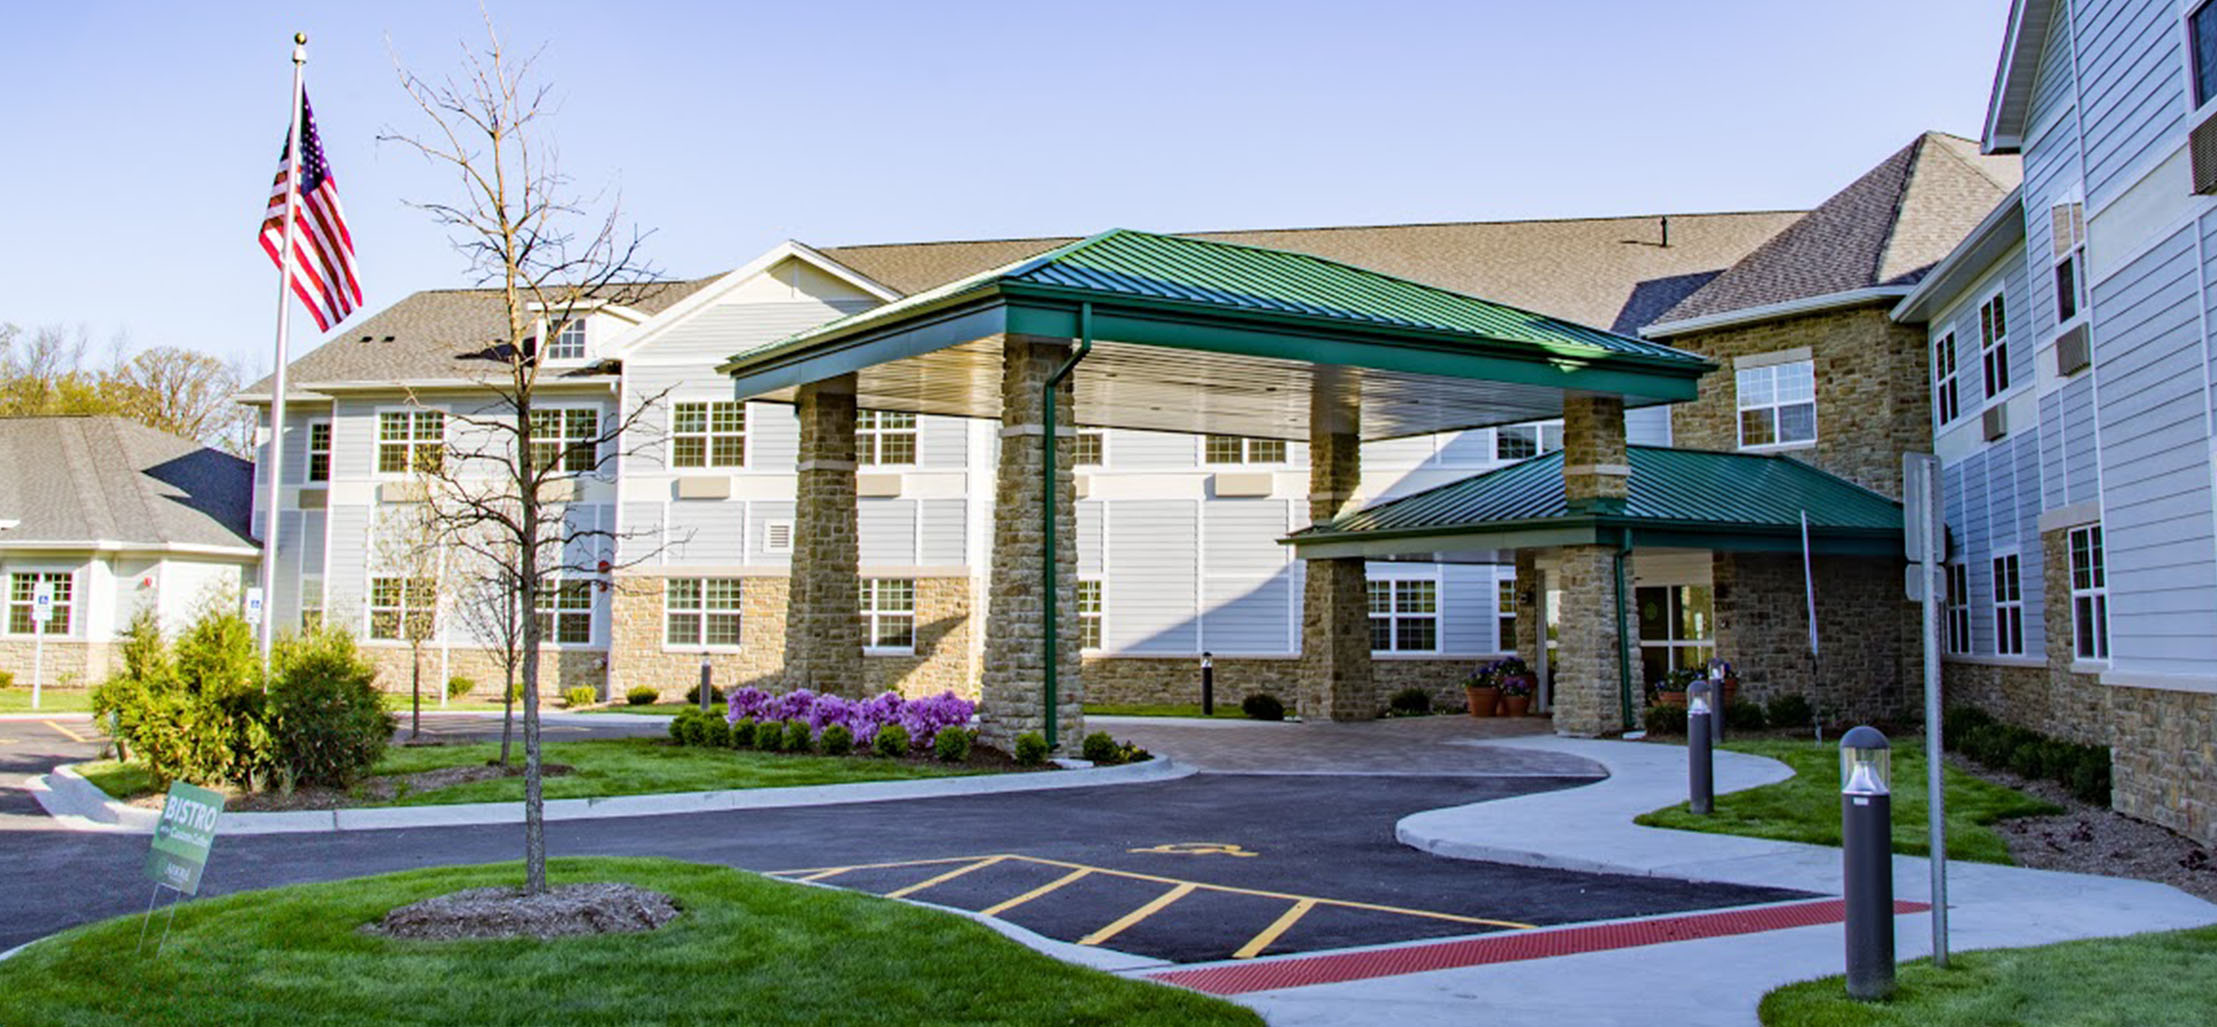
{"points": [[1683, 494]]}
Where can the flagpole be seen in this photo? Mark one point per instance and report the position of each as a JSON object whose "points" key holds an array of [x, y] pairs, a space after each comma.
{"points": [[267, 627]]}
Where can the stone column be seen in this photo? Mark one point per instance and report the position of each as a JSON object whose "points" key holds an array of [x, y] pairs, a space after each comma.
{"points": [[1587, 699], [1595, 472], [1014, 688], [1336, 678], [823, 605]]}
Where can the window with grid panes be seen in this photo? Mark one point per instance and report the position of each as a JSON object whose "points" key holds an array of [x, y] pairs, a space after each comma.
{"points": [[1089, 613], [701, 612], [889, 613], [1404, 616], [1946, 405], [568, 342], [1778, 404], [1959, 608], [23, 596], [565, 612], [885, 438], [2009, 608], [1087, 448], [311, 603], [401, 609], [411, 440], [1993, 345], [319, 451], [2089, 595], [566, 439], [1237, 449], [709, 434], [1505, 615]]}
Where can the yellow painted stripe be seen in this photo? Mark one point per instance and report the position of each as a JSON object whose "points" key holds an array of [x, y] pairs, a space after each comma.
{"points": [[821, 874], [827, 871], [1002, 907], [902, 893], [1160, 902], [1269, 934], [1345, 903], [73, 736]]}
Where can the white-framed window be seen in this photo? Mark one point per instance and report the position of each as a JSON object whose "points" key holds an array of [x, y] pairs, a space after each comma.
{"points": [[410, 441], [1089, 448], [566, 439], [2089, 595], [1524, 441], [568, 341], [565, 611], [2009, 608], [2201, 34], [1947, 403], [311, 602], [1677, 628], [1089, 613], [1505, 615], [701, 613], [885, 438], [319, 452], [402, 609], [708, 434], [1993, 345], [1404, 616], [23, 598], [2068, 220], [1238, 449], [1959, 608], [889, 614], [1778, 404]]}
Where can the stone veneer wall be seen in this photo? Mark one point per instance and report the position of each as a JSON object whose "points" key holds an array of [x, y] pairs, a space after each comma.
{"points": [[1015, 671], [79, 664], [1865, 626], [1872, 401], [1588, 702], [1175, 680]]}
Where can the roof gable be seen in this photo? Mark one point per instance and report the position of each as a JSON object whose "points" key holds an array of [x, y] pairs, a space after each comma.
{"points": [[82, 479], [2009, 105]]}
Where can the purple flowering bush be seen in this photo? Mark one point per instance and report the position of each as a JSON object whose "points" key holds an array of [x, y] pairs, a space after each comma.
{"points": [[921, 718]]}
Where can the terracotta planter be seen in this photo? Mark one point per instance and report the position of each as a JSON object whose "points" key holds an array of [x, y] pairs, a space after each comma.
{"points": [[1728, 690], [1482, 700], [1515, 705], [1663, 698]]}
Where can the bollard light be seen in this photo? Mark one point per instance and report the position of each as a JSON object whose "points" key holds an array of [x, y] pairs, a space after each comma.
{"points": [[1701, 792], [708, 687], [1866, 762], [1208, 684], [1867, 862]]}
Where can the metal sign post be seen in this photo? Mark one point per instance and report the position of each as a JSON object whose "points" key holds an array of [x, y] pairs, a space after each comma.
{"points": [[1925, 542], [42, 614]]}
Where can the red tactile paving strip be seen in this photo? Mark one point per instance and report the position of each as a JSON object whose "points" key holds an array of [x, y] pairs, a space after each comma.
{"points": [[1509, 947]]}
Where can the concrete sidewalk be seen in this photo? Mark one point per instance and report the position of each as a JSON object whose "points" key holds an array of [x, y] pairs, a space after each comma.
{"points": [[1715, 981]]}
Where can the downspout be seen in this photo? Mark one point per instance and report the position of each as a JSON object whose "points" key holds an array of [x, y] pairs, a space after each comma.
{"points": [[1624, 648], [1047, 511]]}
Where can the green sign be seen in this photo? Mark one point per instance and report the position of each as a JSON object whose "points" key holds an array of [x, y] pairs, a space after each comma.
{"points": [[183, 836]]}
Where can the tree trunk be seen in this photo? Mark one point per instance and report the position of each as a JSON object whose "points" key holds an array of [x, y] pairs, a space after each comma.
{"points": [[534, 800], [415, 687], [507, 712]]}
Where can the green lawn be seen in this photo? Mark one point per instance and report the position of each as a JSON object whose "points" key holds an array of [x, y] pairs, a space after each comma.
{"points": [[1806, 807], [2146, 980], [51, 700], [1223, 710], [660, 709], [746, 950], [402, 703], [619, 766]]}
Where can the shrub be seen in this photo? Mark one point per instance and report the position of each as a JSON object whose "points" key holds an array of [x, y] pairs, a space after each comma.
{"points": [[951, 744], [797, 738], [1031, 749], [194, 711], [1099, 748], [2090, 778], [715, 733], [742, 733], [1957, 722], [642, 695], [1744, 716], [1410, 702], [1129, 753], [677, 726], [837, 740], [582, 695], [1262, 706], [769, 736], [693, 695], [326, 719], [1666, 719], [1790, 711], [891, 741], [515, 691], [459, 686], [7, 680]]}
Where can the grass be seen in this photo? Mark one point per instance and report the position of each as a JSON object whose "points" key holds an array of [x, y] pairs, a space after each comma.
{"points": [[118, 779], [660, 709], [51, 700], [1806, 807], [1223, 710], [2146, 980], [403, 702], [746, 950]]}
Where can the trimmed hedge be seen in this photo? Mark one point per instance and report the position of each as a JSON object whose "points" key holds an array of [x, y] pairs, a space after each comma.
{"points": [[2084, 769]]}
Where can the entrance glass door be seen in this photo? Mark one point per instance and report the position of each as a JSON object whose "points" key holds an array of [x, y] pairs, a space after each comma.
{"points": [[1677, 629]]}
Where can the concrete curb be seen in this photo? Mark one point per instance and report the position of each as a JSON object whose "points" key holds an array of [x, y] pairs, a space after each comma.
{"points": [[78, 804]]}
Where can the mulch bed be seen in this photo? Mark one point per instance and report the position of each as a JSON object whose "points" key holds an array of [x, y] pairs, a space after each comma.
{"points": [[566, 911], [2086, 839]]}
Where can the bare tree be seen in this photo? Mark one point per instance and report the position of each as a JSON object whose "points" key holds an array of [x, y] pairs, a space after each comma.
{"points": [[42, 372], [485, 605], [553, 258], [179, 391], [408, 599]]}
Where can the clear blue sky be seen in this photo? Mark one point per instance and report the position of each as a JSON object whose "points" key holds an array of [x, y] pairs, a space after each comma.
{"points": [[142, 137]]}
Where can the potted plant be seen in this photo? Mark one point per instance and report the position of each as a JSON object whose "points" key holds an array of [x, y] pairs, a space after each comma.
{"points": [[1727, 681], [1671, 691], [1516, 695], [1483, 689]]}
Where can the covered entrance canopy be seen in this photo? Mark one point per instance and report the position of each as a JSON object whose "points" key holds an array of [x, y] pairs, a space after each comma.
{"points": [[1135, 330]]}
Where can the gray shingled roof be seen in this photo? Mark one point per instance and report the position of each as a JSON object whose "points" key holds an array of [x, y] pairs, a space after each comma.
{"points": [[1887, 228], [73, 479]]}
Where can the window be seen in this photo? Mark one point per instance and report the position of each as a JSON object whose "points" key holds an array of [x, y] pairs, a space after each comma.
{"points": [[1235, 449], [311, 603], [1959, 608], [889, 613], [565, 439], [1404, 616], [2089, 595], [1993, 345], [319, 451], [709, 434], [1087, 448], [401, 609], [22, 599], [569, 341], [411, 440], [2009, 608], [2069, 223], [1946, 406], [1518, 442], [565, 612], [1089, 613], [701, 612], [2202, 28], [1677, 629], [885, 437], [1778, 404], [1506, 616]]}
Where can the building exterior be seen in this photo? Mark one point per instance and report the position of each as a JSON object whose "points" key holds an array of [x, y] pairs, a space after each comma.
{"points": [[115, 518], [2072, 401]]}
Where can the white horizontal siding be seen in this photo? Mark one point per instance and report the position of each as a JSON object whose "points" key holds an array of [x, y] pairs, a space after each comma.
{"points": [[1153, 580], [886, 530], [944, 525], [2132, 90], [1246, 591]]}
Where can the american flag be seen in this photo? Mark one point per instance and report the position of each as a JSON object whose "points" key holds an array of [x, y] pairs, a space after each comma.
{"points": [[323, 249]]}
